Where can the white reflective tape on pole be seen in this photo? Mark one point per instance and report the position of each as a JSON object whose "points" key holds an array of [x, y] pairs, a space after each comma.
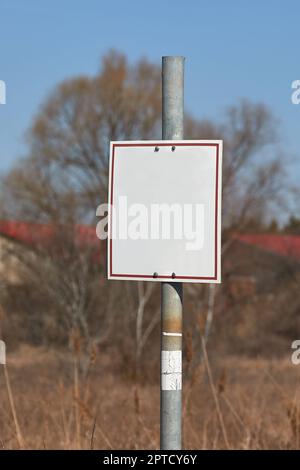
{"points": [[2, 352], [171, 370], [171, 334]]}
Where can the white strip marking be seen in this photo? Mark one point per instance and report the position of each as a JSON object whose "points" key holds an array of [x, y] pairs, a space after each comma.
{"points": [[171, 370], [171, 334], [2, 353]]}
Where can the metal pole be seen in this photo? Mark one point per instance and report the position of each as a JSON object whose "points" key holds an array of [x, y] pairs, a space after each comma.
{"points": [[171, 292]]}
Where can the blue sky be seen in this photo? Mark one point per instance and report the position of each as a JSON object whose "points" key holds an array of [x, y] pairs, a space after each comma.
{"points": [[233, 49]]}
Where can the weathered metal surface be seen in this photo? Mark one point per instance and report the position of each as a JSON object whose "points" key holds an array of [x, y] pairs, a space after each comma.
{"points": [[171, 292]]}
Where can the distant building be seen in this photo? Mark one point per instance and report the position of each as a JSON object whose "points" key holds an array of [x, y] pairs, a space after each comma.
{"points": [[24, 241], [252, 263]]}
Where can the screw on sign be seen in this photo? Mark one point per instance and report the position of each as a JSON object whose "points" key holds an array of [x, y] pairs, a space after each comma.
{"points": [[164, 225]]}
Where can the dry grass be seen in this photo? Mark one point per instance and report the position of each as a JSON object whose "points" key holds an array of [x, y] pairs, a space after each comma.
{"points": [[228, 403]]}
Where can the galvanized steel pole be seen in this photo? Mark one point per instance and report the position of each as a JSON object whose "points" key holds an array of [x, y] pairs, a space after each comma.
{"points": [[171, 292]]}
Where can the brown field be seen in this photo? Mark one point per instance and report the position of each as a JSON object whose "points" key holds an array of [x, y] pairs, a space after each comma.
{"points": [[242, 404]]}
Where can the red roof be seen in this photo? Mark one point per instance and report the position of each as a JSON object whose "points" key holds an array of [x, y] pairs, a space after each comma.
{"points": [[284, 245], [34, 234]]}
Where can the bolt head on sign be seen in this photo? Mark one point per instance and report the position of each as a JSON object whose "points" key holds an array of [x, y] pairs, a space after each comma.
{"points": [[164, 219]]}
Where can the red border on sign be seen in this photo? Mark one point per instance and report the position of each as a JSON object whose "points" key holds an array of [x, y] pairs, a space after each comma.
{"points": [[149, 276]]}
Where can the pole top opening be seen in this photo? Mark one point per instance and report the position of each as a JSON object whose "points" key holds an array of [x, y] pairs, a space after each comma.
{"points": [[168, 57]]}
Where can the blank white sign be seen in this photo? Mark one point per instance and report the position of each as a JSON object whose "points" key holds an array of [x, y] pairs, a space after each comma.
{"points": [[165, 211]]}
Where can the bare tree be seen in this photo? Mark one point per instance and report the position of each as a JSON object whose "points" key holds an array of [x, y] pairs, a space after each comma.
{"points": [[65, 175], [66, 171]]}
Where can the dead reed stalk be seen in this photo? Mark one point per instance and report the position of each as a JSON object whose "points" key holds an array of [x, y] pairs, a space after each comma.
{"points": [[13, 409], [214, 393]]}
